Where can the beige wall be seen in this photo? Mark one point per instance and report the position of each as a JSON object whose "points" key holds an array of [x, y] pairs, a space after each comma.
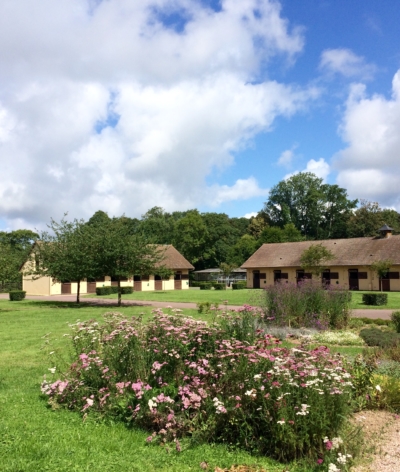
{"points": [[371, 283], [39, 286]]}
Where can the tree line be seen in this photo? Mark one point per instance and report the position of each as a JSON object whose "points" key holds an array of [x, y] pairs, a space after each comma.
{"points": [[301, 207]]}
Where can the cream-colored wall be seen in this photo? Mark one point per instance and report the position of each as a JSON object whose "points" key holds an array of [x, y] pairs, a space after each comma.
{"points": [[39, 286], [168, 284], [55, 288]]}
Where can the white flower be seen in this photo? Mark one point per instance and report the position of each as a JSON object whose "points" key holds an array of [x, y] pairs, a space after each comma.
{"points": [[333, 468], [52, 370], [257, 376], [89, 401], [378, 387], [336, 442], [152, 404], [281, 422]]}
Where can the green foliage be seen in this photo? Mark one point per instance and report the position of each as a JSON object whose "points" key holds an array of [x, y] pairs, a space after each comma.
{"points": [[17, 295], [315, 258], [126, 290], [239, 285], [385, 393], [318, 210], [396, 320], [379, 338], [274, 234], [359, 322], [219, 286], [306, 304], [362, 370], [376, 299], [104, 290], [367, 219], [242, 250]]}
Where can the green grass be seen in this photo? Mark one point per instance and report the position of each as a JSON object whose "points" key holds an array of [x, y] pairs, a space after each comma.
{"points": [[36, 438], [393, 301], [237, 297], [233, 297]]}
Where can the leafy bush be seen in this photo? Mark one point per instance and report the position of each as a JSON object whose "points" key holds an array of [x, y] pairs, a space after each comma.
{"points": [[368, 321], [342, 338], [377, 337], [391, 368], [386, 393], [396, 320], [205, 285], [239, 285], [218, 286], [114, 289], [126, 290], [16, 295], [180, 377], [104, 290], [307, 304], [376, 299]]}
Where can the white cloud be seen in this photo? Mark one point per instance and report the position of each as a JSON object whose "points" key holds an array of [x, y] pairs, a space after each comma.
{"points": [[369, 165], [253, 214], [285, 159], [346, 63], [320, 168], [102, 105]]}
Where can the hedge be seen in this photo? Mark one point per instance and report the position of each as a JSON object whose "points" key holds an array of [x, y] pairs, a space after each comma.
{"points": [[239, 285], [108, 290], [16, 295], [218, 286], [376, 337], [206, 286], [376, 299], [126, 290]]}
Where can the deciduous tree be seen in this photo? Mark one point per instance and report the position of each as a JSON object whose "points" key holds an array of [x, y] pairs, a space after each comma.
{"points": [[315, 258]]}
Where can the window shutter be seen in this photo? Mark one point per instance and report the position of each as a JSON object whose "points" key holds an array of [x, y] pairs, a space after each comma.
{"points": [[185, 276], [394, 275], [284, 276], [307, 275], [362, 275], [263, 276], [334, 275], [145, 278]]}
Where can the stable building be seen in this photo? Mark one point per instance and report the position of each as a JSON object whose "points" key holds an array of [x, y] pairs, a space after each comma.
{"points": [[172, 260], [350, 266]]}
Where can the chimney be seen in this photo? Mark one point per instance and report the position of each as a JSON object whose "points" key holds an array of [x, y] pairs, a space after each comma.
{"points": [[386, 231]]}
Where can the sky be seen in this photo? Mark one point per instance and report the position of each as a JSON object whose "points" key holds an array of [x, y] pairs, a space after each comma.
{"points": [[123, 105]]}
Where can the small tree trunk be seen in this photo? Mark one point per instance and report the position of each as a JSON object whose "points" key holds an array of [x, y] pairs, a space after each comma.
{"points": [[78, 293], [119, 292]]}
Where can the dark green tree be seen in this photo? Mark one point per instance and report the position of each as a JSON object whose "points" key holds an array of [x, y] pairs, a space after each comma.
{"points": [[9, 264], [242, 250], [369, 217], [315, 258]]}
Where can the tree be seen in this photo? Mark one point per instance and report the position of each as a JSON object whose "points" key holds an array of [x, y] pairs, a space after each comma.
{"points": [[9, 264], [315, 258], [242, 250], [367, 219], [67, 253], [317, 210], [381, 268], [14, 250], [121, 255], [274, 234]]}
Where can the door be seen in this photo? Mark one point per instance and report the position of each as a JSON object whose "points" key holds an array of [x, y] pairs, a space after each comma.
{"points": [[256, 279], [91, 286], [65, 288], [178, 280], [277, 276], [137, 283], [326, 277], [353, 279], [385, 284], [157, 282]]}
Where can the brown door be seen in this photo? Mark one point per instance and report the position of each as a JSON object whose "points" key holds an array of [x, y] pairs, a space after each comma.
{"points": [[326, 278], [277, 276], [353, 279], [158, 284], [137, 285], [65, 287], [256, 279], [385, 284], [178, 285], [91, 287]]}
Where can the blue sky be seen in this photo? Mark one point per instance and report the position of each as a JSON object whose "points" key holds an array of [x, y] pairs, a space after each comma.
{"points": [[120, 105]]}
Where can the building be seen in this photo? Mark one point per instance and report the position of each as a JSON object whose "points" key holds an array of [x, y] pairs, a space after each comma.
{"points": [[350, 267], [216, 275], [173, 260]]}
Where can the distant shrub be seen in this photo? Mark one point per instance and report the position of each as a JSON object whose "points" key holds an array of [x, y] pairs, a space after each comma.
{"points": [[126, 290], [377, 337], [239, 285], [16, 295], [104, 290], [218, 286], [376, 299], [206, 286], [396, 320]]}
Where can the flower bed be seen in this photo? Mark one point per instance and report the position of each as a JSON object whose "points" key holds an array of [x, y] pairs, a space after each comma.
{"points": [[178, 377]]}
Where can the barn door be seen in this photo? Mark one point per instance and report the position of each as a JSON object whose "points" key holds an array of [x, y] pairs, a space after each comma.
{"points": [[65, 288], [353, 279], [256, 279]]}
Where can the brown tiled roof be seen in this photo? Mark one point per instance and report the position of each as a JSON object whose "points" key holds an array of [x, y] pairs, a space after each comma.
{"points": [[347, 252], [173, 259]]}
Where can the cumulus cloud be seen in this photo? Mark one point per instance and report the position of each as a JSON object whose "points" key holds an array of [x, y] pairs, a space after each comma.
{"points": [[112, 105], [286, 158], [346, 63], [369, 166], [320, 168]]}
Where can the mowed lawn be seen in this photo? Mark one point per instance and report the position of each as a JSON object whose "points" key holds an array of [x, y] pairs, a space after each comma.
{"points": [[36, 438], [237, 297], [231, 297]]}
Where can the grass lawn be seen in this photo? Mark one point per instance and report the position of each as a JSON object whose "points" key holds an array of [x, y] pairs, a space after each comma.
{"points": [[237, 297], [35, 438], [233, 297], [393, 301]]}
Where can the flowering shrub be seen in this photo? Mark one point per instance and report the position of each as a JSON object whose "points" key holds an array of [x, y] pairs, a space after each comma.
{"points": [[226, 382], [343, 338], [307, 304]]}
